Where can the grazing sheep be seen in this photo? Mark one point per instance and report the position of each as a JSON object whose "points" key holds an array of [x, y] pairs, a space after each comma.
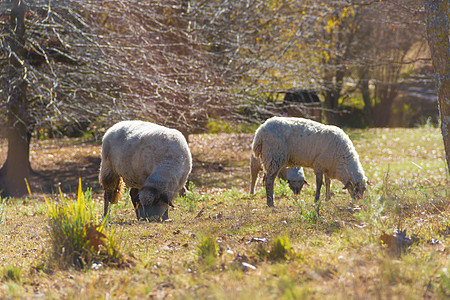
{"points": [[294, 176], [297, 141], [154, 161]]}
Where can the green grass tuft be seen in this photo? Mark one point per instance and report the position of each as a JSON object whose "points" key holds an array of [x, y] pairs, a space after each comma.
{"points": [[280, 250], [77, 236], [281, 189], [190, 200], [207, 250], [12, 273], [445, 282]]}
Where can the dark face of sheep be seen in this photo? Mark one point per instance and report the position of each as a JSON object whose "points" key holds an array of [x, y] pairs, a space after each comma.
{"points": [[296, 179], [153, 205], [296, 186], [356, 190]]}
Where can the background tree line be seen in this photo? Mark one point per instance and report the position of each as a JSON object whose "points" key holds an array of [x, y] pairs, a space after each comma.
{"points": [[182, 62]]}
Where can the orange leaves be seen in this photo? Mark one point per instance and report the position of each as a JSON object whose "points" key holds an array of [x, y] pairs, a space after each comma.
{"points": [[94, 236], [396, 241]]}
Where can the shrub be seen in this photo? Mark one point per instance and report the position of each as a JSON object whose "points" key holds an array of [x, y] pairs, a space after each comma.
{"points": [[77, 237]]}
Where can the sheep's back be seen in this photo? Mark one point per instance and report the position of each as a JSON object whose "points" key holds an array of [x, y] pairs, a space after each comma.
{"points": [[137, 148], [308, 143]]}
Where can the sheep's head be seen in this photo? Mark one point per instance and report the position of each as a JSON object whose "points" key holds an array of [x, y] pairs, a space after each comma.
{"points": [[153, 205], [356, 190], [296, 185], [296, 179]]}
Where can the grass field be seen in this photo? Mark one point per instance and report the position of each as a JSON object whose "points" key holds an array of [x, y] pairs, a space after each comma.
{"points": [[222, 243]]}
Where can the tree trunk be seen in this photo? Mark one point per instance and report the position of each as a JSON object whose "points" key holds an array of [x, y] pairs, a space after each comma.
{"points": [[363, 74], [331, 107], [438, 41], [17, 165], [332, 95]]}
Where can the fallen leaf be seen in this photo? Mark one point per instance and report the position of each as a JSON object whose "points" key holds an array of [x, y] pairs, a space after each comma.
{"points": [[94, 236], [396, 241], [389, 240]]}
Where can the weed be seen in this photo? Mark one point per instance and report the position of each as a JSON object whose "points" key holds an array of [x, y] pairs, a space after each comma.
{"points": [[306, 215], [77, 237], [372, 214], [279, 250], [207, 250], [190, 200], [282, 189], [12, 273], [445, 282]]}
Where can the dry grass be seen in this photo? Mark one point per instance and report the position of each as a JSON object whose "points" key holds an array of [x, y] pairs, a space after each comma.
{"points": [[338, 255]]}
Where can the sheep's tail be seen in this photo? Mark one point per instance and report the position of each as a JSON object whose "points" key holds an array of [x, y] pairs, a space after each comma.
{"points": [[111, 182], [257, 145], [118, 192]]}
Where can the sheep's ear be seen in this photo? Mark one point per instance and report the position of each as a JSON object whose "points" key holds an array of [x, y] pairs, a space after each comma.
{"points": [[347, 185], [165, 198]]}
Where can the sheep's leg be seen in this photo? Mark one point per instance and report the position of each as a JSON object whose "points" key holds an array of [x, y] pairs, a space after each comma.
{"points": [[270, 179], [138, 208], [134, 195], [327, 187], [108, 195], [254, 170], [319, 181]]}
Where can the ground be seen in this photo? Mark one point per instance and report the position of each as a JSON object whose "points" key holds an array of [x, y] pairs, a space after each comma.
{"points": [[348, 251]]}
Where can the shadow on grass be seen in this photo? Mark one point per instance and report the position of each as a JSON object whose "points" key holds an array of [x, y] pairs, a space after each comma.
{"points": [[219, 174], [66, 175]]}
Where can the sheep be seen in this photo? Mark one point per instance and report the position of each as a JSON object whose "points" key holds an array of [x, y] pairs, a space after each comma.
{"points": [[294, 176], [152, 160], [327, 149]]}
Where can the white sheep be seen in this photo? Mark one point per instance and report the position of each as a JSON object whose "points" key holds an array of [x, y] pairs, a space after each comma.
{"points": [[294, 176], [302, 142], [154, 161]]}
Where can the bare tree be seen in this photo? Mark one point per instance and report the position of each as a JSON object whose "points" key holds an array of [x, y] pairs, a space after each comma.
{"points": [[335, 47], [15, 84], [160, 61], [438, 40], [393, 29], [98, 62]]}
